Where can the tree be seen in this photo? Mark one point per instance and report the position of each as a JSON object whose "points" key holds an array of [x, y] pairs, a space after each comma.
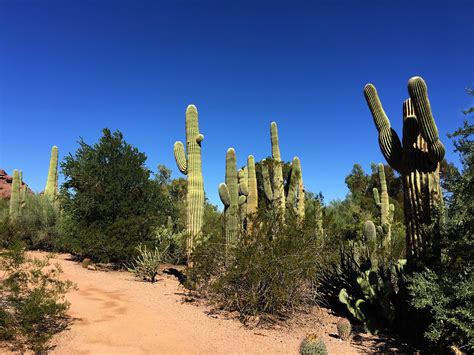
{"points": [[108, 197]]}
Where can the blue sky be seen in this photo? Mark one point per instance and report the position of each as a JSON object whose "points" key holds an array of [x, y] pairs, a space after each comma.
{"points": [[71, 68]]}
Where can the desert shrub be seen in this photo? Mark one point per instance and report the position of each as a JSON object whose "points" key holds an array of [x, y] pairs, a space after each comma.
{"points": [[146, 265], [446, 291], [313, 345], [35, 226], [110, 202], [171, 244], [32, 304], [269, 273]]}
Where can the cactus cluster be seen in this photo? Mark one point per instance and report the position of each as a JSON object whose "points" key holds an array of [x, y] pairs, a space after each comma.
{"points": [[417, 160], [190, 164], [344, 328], [51, 188], [313, 345], [274, 187]]}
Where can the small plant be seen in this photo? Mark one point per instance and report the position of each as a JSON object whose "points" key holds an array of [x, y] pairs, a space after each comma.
{"points": [[32, 304], [147, 264], [313, 345], [86, 262], [344, 328]]}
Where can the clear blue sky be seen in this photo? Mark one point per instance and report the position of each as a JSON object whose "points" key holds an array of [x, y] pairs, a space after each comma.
{"points": [[70, 68]]}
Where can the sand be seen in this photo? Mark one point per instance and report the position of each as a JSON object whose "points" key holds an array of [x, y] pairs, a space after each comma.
{"points": [[114, 313]]}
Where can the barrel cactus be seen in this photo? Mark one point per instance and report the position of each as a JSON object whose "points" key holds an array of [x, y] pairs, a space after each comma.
{"points": [[190, 164], [51, 189], [15, 198], [344, 328], [313, 345], [417, 160], [229, 195]]}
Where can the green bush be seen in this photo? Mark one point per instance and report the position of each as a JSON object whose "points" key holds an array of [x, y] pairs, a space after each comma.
{"points": [[270, 272], [171, 243], [32, 304], [109, 201], [35, 226]]}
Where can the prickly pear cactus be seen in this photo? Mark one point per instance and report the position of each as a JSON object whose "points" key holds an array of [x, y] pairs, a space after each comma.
{"points": [[51, 188], [190, 164], [344, 328], [313, 345], [15, 195], [417, 160], [229, 195]]}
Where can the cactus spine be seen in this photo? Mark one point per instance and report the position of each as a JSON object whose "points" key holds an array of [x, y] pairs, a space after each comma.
{"points": [[417, 161], [190, 164], [15, 195], [51, 189], [229, 195]]}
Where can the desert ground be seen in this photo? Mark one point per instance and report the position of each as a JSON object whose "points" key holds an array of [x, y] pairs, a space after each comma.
{"points": [[114, 313]]}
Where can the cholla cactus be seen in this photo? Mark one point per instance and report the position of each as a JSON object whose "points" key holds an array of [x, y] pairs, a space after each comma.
{"points": [[313, 345], [51, 189], [15, 195], [344, 328], [190, 164], [417, 160], [229, 195]]}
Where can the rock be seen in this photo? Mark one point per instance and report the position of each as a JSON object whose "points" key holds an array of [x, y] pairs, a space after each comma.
{"points": [[91, 267]]}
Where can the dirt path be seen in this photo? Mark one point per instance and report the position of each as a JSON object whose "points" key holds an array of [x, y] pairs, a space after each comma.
{"points": [[115, 314]]}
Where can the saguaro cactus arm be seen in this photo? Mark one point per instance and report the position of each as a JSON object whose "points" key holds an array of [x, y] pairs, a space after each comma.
{"points": [[419, 94], [180, 157], [252, 198], [388, 139], [224, 194], [14, 207]]}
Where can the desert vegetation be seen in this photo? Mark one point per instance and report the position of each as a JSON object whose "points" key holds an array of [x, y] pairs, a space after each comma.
{"points": [[393, 257]]}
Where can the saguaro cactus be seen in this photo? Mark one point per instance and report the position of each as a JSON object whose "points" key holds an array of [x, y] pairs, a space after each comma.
{"points": [[252, 197], [229, 194], [51, 189], [15, 195], [275, 188], [275, 192], [190, 164], [417, 160], [386, 208]]}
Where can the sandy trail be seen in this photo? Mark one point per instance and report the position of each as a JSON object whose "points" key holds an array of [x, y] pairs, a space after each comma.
{"points": [[116, 314]]}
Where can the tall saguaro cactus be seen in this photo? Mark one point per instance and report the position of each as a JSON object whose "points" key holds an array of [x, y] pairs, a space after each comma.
{"points": [[252, 197], [417, 160], [275, 192], [296, 196], [51, 189], [243, 195], [15, 195], [229, 195], [190, 164]]}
